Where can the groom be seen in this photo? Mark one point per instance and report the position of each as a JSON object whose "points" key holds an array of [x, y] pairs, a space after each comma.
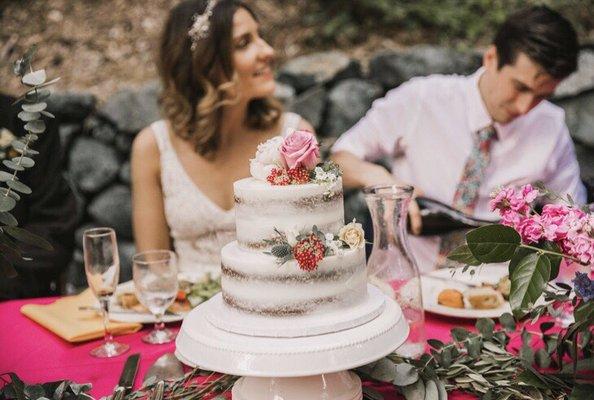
{"points": [[457, 138]]}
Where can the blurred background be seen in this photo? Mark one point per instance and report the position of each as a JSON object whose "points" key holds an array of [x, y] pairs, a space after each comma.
{"points": [[334, 57]]}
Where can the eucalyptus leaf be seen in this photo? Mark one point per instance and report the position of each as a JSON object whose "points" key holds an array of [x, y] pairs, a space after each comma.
{"points": [[35, 126], [9, 193], [34, 107], [383, 370], [493, 243], [416, 391], [27, 237], [26, 162], [26, 116], [528, 281], [18, 144], [7, 203], [485, 326], [493, 348], [543, 360], [47, 114], [431, 392], [459, 334], [23, 64], [12, 165], [19, 187], [436, 344], [5, 176], [34, 391], [443, 394], [405, 374], [35, 78], [462, 254], [6, 218], [37, 95]]}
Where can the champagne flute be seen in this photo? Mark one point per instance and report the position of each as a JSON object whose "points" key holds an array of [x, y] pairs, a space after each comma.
{"points": [[155, 279], [102, 267]]}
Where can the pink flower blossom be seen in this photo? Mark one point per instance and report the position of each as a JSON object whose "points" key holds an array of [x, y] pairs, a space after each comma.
{"points": [[581, 247], [530, 229], [501, 200], [300, 149], [510, 218], [520, 202], [554, 221]]}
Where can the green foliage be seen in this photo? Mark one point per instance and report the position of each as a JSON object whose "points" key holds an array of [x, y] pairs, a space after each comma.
{"points": [[61, 390], [447, 21], [33, 109]]}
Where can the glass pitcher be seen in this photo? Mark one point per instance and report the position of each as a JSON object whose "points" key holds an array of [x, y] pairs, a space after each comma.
{"points": [[391, 266]]}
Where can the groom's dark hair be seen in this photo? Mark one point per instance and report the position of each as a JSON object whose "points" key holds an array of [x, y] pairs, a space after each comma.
{"points": [[543, 35]]}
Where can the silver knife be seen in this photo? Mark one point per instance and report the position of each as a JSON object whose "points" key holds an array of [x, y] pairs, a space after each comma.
{"points": [[127, 377]]}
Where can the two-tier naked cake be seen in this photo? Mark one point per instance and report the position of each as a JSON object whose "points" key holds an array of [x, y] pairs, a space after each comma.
{"points": [[294, 255]]}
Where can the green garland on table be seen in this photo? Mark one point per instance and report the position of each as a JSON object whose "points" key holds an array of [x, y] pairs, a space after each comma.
{"points": [[477, 363]]}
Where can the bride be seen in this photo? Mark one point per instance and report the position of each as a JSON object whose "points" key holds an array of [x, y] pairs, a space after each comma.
{"points": [[216, 72]]}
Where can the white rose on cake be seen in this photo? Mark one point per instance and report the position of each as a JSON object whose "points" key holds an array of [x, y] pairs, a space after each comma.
{"points": [[268, 156]]}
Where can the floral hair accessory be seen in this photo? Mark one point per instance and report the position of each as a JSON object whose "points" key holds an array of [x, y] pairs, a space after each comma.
{"points": [[201, 26]]}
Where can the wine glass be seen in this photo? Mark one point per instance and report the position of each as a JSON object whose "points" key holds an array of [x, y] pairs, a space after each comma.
{"points": [[102, 267], [155, 279]]}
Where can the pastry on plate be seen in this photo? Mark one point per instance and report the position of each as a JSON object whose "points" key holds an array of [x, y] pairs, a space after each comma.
{"points": [[484, 298], [451, 298]]}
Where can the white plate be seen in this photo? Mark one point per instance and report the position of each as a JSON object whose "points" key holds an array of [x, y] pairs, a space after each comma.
{"points": [[119, 314], [436, 281]]}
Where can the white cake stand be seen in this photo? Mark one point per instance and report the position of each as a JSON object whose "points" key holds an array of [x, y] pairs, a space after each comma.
{"points": [[291, 368]]}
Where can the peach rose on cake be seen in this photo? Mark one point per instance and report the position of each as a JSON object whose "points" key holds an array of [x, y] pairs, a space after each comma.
{"points": [[352, 234], [300, 149]]}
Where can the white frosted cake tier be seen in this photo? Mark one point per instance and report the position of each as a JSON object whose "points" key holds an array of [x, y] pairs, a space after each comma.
{"points": [[229, 319], [260, 208], [255, 282]]}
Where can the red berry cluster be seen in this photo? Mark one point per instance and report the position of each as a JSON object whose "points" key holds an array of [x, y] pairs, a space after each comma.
{"points": [[278, 176], [309, 252], [299, 175]]}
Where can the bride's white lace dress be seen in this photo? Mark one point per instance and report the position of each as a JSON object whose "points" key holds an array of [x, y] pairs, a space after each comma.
{"points": [[197, 225]]}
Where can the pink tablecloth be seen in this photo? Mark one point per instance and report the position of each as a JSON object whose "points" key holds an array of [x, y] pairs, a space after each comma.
{"points": [[37, 355]]}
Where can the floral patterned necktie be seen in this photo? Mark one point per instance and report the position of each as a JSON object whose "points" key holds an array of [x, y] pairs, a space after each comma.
{"points": [[466, 195]]}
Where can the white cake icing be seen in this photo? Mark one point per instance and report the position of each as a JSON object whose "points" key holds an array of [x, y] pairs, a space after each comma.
{"points": [[261, 207], [255, 282]]}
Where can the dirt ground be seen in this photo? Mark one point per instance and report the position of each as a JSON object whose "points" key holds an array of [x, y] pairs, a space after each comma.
{"points": [[103, 45]]}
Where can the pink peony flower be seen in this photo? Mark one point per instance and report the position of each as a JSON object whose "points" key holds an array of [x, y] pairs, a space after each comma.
{"points": [[300, 149], [530, 229]]}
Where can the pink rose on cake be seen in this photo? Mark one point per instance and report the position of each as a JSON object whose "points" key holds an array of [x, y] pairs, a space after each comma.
{"points": [[268, 157], [300, 149]]}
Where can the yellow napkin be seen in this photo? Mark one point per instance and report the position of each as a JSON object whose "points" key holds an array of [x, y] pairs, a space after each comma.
{"points": [[64, 318]]}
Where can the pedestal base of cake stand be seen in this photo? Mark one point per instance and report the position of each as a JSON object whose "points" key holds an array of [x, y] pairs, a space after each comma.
{"points": [[336, 386]]}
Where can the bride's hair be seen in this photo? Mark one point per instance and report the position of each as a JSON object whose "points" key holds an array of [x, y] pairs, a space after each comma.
{"points": [[198, 82]]}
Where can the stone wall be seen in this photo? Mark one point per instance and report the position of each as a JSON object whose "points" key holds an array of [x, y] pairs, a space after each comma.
{"points": [[329, 89]]}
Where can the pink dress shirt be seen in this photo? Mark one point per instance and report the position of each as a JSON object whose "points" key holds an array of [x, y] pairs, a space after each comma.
{"points": [[426, 125]]}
